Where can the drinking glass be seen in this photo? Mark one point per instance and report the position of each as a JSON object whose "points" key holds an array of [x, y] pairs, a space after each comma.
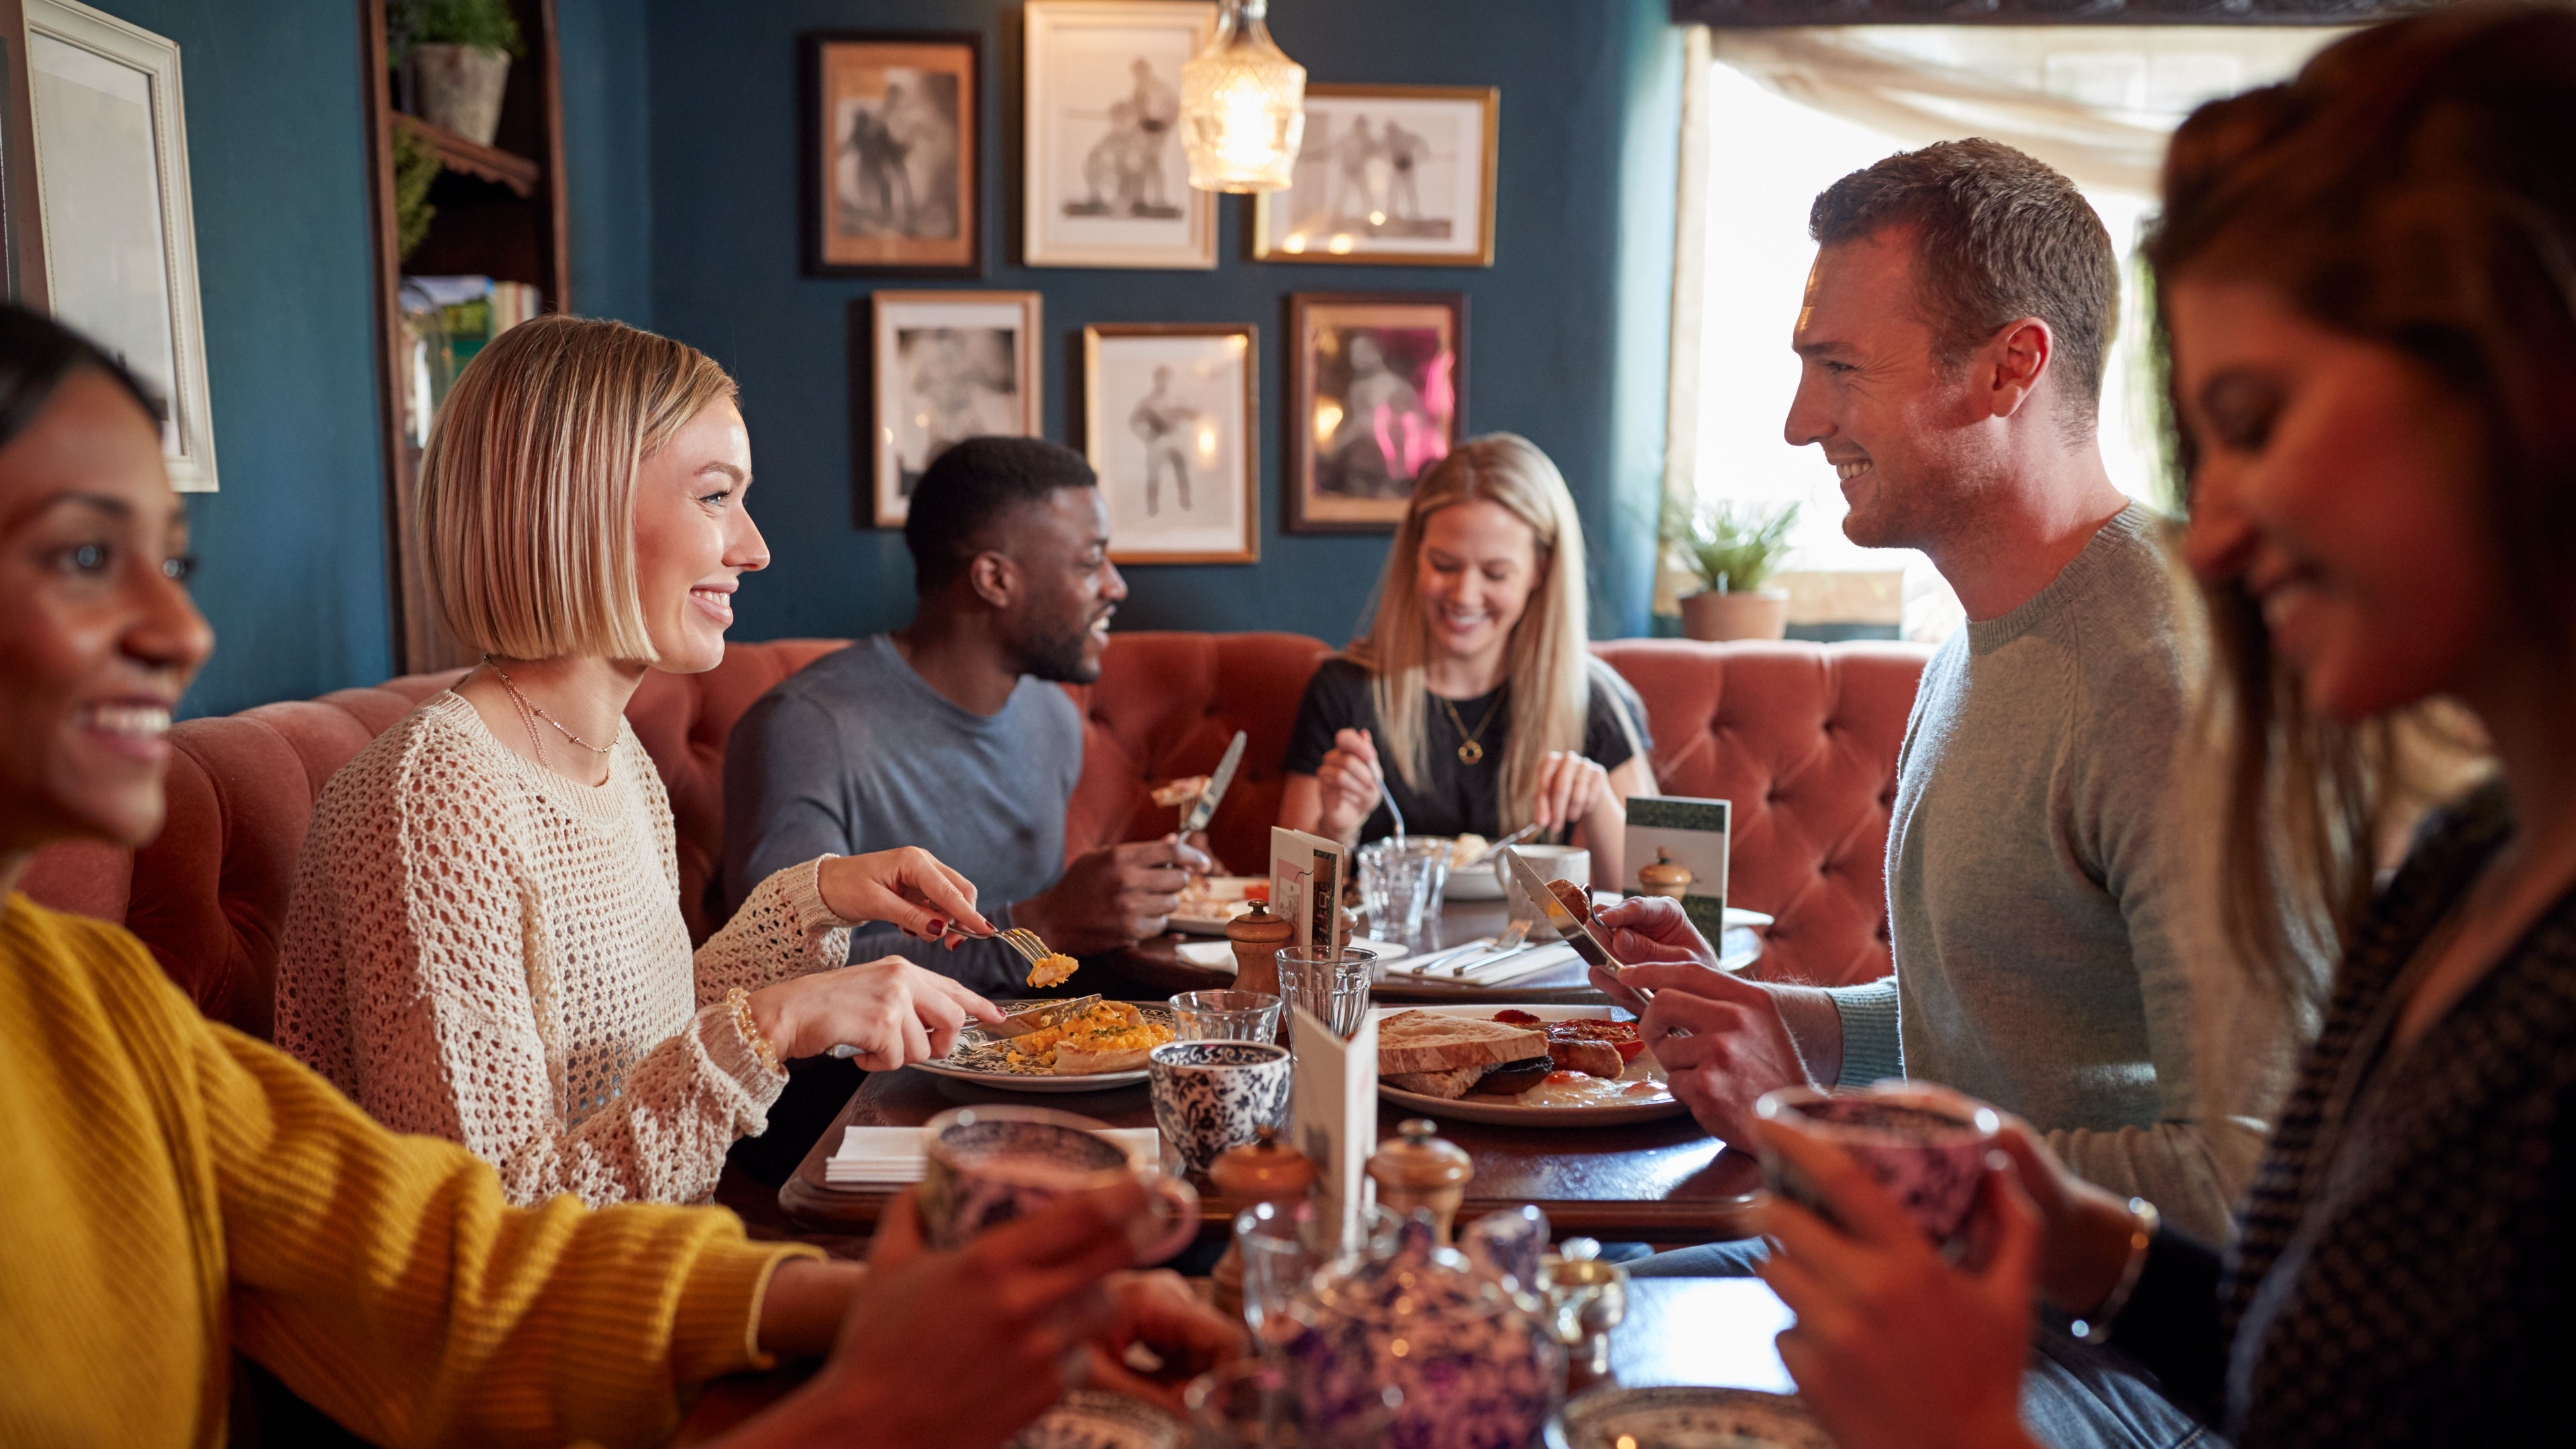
{"points": [[1401, 882], [1282, 1247], [1253, 1404], [1225, 1016], [1334, 987]]}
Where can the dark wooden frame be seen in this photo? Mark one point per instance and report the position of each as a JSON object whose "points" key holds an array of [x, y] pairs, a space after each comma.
{"points": [[870, 312], [24, 238], [1087, 428], [421, 640], [1299, 482], [1256, 234], [813, 181], [1751, 14]]}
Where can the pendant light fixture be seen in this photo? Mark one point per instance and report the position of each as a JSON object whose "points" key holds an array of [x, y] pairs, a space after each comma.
{"points": [[1243, 106]]}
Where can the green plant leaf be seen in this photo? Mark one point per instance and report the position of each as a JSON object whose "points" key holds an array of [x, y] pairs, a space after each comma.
{"points": [[487, 23], [415, 167], [1730, 548]]}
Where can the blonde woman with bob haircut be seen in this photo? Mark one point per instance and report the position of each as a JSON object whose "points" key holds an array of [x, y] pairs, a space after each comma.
{"points": [[1472, 698], [485, 942]]}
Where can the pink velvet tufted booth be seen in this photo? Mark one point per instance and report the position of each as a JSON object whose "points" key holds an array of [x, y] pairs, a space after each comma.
{"points": [[1802, 737]]}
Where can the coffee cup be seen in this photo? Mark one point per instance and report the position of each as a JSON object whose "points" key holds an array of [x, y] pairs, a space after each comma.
{"points": [[984, 1166], [1926, 1145], [1211, 1096]]}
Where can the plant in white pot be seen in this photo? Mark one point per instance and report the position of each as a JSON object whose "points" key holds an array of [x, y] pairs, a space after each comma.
{"points": [[460, 57], [1734, 552]]}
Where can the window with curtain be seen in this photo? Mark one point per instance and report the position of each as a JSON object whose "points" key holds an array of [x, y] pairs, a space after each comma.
{"points": [[1778, 115]]}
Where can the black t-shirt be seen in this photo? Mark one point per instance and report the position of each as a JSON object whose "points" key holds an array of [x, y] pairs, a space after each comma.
{"points": [[1455, 797]]}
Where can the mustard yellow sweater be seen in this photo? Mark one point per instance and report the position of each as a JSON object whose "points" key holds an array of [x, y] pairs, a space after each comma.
{"points": [[172, 1191]]}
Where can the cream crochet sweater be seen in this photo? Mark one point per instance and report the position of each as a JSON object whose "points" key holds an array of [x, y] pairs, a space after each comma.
{"points": [[482, 950]]}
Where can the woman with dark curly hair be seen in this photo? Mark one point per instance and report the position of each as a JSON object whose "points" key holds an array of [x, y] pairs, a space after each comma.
{"points": [[2368, 278]]}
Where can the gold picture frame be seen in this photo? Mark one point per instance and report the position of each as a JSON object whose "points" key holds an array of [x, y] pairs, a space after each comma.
{"points": [[1400, 175], [892, 130]]}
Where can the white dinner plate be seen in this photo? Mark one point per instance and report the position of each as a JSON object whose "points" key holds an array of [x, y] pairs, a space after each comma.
{"points": [[1206, 913], [1508, 1112], [972, 1042]]}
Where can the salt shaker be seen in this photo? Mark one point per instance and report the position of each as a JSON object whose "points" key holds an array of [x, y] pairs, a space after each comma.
{"points": [[1417, 1170], [1257, 937]]}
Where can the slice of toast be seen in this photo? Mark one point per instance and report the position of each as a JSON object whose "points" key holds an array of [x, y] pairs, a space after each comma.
{"points": [[1449, 1085], [1422, 1041]]}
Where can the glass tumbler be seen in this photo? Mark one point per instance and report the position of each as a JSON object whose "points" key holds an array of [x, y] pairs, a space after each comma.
{"points": [[1225, 1016], [1400, 884], [1334, 987], [1282, 1248]]}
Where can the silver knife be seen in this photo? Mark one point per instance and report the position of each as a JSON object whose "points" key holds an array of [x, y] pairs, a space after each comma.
{"points": [[1205, 810]]}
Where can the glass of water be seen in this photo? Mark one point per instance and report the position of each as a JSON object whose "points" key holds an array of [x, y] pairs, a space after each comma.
{"points": [[1225, 1016], [1400, 884], [1282, 1246], [1333, 986]]}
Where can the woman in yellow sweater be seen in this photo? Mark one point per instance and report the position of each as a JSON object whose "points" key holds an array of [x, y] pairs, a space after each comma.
{"points": [[179, 1192]]}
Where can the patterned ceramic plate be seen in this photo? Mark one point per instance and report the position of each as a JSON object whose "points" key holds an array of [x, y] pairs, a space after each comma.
{"points": [[979, 1058], [1509, 1112], [1685, 1418], [1091, 1419]]}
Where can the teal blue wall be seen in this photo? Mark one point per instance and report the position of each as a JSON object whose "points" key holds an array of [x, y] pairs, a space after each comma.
{"points": [[1563, 346], [292, 550], [679, 132]]}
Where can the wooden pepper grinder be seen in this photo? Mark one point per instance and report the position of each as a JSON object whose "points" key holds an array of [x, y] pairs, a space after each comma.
{"points": [[1258, 937], [1416, 1169], [1666, 877], [1263, 1170]]}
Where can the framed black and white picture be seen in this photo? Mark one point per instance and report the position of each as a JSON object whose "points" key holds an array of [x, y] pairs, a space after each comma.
{"points": [[891, 174], [1388, 174], [1376, 394], [107, 241], [1169, 423], [1104, 181], [945, 366]]}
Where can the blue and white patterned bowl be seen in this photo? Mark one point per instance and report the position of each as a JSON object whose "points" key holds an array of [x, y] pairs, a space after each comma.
{"points": [[1210, 1096]]}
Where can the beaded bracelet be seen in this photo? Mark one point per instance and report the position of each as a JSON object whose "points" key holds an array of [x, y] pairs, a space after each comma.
{"points": [[2143, 1222], [740, 1001]]}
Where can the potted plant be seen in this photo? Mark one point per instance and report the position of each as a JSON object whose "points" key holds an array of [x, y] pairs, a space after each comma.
{"points": [[460, 56], [1734, 552]]}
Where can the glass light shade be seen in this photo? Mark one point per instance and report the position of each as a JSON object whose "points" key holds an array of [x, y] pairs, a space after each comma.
{"points": [[1243, 106]]}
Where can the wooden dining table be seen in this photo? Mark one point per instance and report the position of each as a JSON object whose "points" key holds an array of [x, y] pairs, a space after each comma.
{"points": [[1664, 1182], [1156, 964]]}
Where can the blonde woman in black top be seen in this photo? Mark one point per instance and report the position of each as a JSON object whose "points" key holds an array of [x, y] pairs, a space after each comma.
{"points": [[1473, 698], [2369, 281]]}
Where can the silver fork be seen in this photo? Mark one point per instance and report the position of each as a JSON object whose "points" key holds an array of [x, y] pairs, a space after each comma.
{"points": [[1024, 941], [1506, 944]]}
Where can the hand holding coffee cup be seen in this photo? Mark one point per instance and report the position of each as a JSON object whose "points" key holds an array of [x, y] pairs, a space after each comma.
{"points": [[986, 1166], [1926, 1145]]}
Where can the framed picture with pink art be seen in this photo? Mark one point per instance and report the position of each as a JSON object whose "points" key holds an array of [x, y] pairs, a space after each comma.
{"points": [[1377, 387]]}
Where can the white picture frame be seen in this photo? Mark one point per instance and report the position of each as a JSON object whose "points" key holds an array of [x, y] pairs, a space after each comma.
{"points": [[1170, 423], [946, 366], [1103, 180], [110, 137], [1425, 200]]}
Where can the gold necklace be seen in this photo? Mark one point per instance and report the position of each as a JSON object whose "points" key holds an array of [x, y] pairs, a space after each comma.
{"points": [[1470, 752], [528, 706]]}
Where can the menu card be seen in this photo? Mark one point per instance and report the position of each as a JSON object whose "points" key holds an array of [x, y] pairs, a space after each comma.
{"points": [[1336, 1114], [1307, 873], [1694, 833]]}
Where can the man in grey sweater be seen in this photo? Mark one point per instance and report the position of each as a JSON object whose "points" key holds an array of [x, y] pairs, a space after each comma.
{"points": [[951, 733], [2040, 910]]}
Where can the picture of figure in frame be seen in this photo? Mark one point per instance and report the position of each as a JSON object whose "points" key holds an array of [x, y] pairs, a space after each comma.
{"points": [[891, 135]]}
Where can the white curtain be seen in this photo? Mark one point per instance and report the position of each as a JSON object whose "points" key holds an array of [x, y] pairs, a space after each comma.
{"points": [[2095, 102]]}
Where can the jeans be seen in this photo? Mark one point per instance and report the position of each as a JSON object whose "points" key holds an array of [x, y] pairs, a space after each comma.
{"points": [[2073, 1396]]}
